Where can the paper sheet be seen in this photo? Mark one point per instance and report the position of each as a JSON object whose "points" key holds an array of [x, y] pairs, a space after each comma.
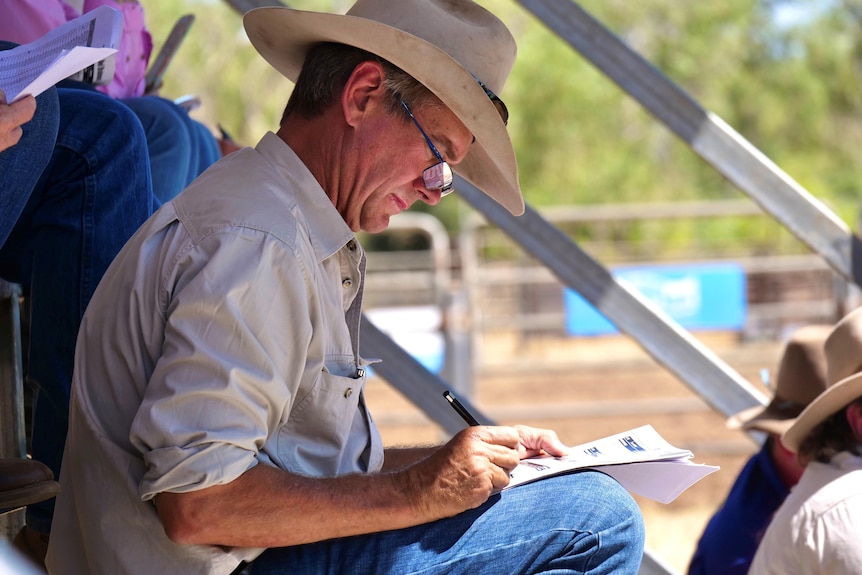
{"points": [[662, 481], [97, 31], [640, 459]]}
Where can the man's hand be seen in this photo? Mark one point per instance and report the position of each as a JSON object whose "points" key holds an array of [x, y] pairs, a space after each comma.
{"points": [[466, 471], [474, 465], [12, 117]]}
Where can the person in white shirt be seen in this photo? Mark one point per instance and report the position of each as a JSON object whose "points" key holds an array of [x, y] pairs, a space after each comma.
{"points": [[816, 531]]}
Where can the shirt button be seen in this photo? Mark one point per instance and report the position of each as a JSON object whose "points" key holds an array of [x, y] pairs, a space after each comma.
{"points": [[348, 392], [351, 245], [347, 282]]}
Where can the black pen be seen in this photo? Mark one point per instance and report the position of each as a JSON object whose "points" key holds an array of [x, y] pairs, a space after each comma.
{"points": [[462, 411]]}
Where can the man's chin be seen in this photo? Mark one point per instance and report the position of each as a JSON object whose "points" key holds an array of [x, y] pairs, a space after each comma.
{"points": [[379, 224]]}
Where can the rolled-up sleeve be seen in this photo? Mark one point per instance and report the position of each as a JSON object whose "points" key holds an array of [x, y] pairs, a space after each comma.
{"points": [[237, 320]]}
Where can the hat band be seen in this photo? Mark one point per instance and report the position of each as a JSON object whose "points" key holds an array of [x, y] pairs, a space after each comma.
{"points": [[495, 99]]}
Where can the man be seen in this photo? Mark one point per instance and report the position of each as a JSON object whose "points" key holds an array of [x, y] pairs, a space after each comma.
{"points": [[730, 539], [218, 413], [816, 530]]}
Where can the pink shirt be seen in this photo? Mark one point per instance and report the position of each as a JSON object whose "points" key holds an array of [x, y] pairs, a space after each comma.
{"points": [[26, 20], [32, 19], [134, 50]]}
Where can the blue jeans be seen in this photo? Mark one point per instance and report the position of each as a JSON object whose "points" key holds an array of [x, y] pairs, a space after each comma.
{"points": [[21, 165], [180, 148], [579, 523], [91, 196]]}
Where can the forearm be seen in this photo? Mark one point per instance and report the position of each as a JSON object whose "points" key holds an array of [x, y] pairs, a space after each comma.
{"points": [[396, 458], [268, 507]]}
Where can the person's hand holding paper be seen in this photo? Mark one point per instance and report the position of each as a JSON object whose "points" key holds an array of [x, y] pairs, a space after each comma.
{"points": [[12, 117]]}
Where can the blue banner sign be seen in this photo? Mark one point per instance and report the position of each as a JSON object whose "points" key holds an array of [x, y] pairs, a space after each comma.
{"points": [[696, 296]]}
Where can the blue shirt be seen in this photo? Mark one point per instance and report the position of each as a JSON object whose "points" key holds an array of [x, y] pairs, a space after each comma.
{"points": [[731, 537]]}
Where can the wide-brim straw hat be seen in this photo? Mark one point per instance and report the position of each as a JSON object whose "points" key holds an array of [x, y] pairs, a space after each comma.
{"points": [[844, 367], [444, 44], [801, 377]]}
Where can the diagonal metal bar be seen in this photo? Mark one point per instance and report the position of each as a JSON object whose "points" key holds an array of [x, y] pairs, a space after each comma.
{"points": [[668, 343], [413, 380], [707, 135]]}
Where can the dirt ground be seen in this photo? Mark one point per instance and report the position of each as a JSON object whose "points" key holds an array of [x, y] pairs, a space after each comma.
{"points": [[589, 388]]}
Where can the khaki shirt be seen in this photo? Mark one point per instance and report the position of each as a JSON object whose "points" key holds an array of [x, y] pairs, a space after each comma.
{"points": [[224, 335]]}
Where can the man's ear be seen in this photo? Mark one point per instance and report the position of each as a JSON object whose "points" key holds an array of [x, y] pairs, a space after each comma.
{"points": [[854, 418], [363, 87]]}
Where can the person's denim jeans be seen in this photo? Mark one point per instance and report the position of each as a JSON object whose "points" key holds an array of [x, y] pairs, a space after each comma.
{"points": [[22, 164], [180, 148], [579, 523], [92, 195]]}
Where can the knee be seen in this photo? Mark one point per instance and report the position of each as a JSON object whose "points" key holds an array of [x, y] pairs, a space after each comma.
{"points": [[89, 117], [161, 121], [619, 502], [611, 508]]}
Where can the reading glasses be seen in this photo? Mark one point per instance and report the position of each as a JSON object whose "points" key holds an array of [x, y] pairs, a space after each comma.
{"points": [[439, 176]]}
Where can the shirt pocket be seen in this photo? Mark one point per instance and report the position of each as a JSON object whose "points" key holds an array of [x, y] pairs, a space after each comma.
{"points": [[316, 436]]}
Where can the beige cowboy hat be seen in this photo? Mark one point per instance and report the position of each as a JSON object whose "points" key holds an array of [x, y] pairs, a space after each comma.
{"points": [[844, 366], [449, 46], [801, 378]]}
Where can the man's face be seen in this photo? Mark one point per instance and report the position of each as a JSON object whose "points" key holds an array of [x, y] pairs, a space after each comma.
{"points": [[394, 154]]}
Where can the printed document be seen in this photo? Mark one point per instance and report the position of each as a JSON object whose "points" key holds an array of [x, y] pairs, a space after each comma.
{"points": [[85, 43], [640, 460]]}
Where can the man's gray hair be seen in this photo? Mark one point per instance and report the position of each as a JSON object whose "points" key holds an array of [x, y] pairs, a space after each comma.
{"points": [[325, 72]]}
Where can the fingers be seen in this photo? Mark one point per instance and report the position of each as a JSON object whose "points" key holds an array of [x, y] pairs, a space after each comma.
{"points": [[538, 441], [12, 117], [499, 445]]}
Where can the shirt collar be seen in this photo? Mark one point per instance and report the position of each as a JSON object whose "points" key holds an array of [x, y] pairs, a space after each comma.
{"points": [[329, 231]]}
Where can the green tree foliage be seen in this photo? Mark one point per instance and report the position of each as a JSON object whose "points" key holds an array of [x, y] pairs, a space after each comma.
{"points": [[216, 62], [580, 139]]}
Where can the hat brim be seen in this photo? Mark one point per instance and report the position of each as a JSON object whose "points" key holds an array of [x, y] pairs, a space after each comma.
{"points": [[283, 37], [769, 419], [835, 398]]}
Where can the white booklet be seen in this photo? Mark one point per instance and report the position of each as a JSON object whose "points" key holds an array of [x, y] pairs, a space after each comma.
{"points": [[640, 460], [83, 44]]}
